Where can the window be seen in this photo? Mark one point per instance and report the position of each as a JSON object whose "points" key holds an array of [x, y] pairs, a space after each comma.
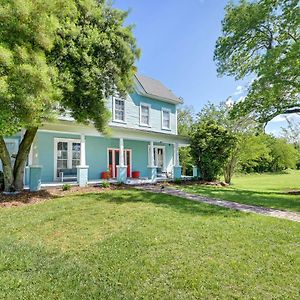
{"points": [[145, 114], [119, 110], [166, 119], [67, 157]]}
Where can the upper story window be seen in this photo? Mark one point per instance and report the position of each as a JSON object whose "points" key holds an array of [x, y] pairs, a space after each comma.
{"points": [[119, 110], [145, 114], [166, 119]]}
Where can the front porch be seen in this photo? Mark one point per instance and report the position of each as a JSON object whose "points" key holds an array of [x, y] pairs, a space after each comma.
{"points": [[81, 158]]}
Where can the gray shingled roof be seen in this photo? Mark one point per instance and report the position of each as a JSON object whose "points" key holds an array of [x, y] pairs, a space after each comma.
{"points": [[156, 88]]}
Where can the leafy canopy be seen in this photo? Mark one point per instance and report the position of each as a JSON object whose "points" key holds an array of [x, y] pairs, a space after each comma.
{"points": [[67, 53], [260, 40], [211, 145]]}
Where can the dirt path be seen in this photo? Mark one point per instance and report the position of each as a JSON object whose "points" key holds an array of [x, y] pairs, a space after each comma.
{"points": [[292, 216]]}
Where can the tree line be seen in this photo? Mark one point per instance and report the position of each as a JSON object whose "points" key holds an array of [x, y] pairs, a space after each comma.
{"points": [[221, 145]]}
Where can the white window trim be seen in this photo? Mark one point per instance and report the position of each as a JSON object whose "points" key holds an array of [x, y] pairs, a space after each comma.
{"points": [[114, 160], [113, 110], [56, 141], [149, 107], [162, 118], [164, 168]]}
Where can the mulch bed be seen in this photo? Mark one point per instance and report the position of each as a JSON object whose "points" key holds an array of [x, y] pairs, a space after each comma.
{"points": [[26, 197]]}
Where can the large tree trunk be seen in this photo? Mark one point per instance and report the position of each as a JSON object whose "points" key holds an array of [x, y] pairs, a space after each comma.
{"points": [[14, 175], [7, 167], [21, 158]]}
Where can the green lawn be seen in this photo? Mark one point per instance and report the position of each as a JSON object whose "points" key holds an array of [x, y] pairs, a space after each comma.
{"points": [[269, 190], [135, 245]]}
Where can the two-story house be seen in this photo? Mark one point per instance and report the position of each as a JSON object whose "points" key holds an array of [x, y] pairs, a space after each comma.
{"points": [[143, 140]]}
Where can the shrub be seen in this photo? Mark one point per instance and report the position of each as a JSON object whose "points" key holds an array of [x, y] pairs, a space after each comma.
{"points": [[178, 181], [105, 184], [211, 146], [66, 187]]}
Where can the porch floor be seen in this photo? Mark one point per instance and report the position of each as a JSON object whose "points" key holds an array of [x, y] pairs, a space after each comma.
{"points": [[129, 181]]}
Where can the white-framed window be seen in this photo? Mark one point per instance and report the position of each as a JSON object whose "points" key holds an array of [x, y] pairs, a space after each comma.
{"points": [[66, 157], [118, 110], [145, 114], [166, 119]]}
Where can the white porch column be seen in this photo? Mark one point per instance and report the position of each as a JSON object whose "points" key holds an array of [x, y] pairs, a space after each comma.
{"points": [[121, 153], [82, 169], [121, 168], [151, 155], [82, 150], [176, 155], [152, 170]]}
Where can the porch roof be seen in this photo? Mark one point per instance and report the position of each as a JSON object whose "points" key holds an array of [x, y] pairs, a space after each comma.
{"points": [[116, 132]]}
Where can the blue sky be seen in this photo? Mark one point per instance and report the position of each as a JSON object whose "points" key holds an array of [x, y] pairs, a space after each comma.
{"points": [[177, 39]]}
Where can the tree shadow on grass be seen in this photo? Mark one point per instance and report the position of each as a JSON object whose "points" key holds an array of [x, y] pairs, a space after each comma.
{"points": [[276, 200], [167, 201]]}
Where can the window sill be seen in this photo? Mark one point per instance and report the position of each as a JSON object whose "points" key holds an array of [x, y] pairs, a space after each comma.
{"points": [[120, 122], [167, 129], [145, 125]]}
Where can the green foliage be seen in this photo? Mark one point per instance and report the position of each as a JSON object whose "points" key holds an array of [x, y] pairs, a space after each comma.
{"points": [[185, 121], [265, 153], [105, 184], [178, 181], [292, 133], [66, 187], [242, 129], [211, 145], [261, 39], [65, 53]]}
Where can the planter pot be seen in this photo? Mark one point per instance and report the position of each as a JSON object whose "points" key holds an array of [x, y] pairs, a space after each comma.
{"points": [[105, 175], [136, 174]]}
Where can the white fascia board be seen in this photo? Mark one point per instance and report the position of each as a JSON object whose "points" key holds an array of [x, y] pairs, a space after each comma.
{"points": [[116, 132]]}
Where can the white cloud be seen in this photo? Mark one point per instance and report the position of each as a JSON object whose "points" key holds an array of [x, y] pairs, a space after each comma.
{"points": [[239, 90]]}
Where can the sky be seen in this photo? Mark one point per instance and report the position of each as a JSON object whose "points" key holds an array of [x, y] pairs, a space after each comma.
{"points": [[177, 39]]}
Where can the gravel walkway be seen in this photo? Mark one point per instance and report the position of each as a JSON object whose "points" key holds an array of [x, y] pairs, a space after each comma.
{"points": [[292, 216]]}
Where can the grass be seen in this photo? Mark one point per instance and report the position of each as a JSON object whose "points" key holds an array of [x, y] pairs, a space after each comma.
{"points": [[135, 245], [268, 190]]}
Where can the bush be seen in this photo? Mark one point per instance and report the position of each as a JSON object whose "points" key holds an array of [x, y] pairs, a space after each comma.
{"points": [[66, 187], [1, 181], [105, 184], [211, 146], [178, 181]]}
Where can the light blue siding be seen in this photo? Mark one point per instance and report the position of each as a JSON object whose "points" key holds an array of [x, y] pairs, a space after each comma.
{"points": [[45, 146], [96, 154], [132, 113]]}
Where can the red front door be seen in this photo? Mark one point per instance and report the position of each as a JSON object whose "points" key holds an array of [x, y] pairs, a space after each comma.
{"points": [[114, 160]]}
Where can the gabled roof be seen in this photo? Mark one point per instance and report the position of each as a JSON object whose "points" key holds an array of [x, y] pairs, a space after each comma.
{"points": [[153, 88]]}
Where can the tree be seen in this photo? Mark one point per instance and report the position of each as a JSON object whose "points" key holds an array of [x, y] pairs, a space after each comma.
{"points": [[261, 41], [185, 121], [292, 133], [284, 155], [63, 53], [242, 129], [211, 145]]}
